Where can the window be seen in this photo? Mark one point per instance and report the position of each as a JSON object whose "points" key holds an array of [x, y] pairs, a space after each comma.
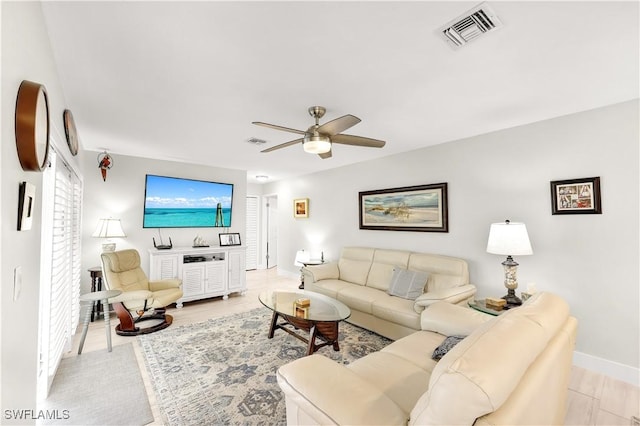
{"points": [[60, 266]]}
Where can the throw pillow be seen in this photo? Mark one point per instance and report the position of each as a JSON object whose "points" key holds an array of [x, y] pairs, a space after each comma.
{"points": [[446, 346], [407, 284]]}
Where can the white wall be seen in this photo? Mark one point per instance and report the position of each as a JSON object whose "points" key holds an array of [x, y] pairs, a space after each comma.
{"points": [[121, 196], [590, 260], [254, 189], [26, 55]]}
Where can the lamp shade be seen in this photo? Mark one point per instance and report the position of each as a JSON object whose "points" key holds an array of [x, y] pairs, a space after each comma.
{"points": [[109, 228], [301, 257], [509, 239]]}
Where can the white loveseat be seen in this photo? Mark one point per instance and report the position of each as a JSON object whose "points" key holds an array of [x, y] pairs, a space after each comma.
{"points": [[360, 279], [510, 370]]}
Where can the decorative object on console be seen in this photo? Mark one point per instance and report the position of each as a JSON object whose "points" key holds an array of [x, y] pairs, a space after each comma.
{"points": [[109, 228], [200, 242], [576, 196], [32, 126], [105, 162], [509, 239], [301, 208], [26, 198], [70, 131], [411, 208], [230, 239]]}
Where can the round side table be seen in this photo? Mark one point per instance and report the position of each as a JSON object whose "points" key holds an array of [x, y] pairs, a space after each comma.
{"points": [[95, 298], [307, 263]]}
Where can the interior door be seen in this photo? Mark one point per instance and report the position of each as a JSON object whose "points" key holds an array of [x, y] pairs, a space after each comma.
{"points": [[252, 232]]}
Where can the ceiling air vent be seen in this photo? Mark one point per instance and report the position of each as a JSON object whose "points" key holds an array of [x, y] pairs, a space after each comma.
{"points": [[470, 25], [256, 141]]}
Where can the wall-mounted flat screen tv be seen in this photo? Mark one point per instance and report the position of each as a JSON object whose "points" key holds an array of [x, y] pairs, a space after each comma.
{"points": [[171, 202]]}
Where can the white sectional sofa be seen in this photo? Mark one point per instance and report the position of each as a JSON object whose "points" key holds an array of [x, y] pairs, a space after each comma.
{"points": [[362, 276], [512, 369]]}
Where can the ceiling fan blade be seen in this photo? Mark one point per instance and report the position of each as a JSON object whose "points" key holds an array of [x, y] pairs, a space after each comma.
{"points": [[283, 145], [338, 125], [276, 127], [357, 140], [325, 155]]}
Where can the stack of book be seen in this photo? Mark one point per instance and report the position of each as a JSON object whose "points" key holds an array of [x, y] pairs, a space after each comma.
{"points": [[495, 304]]}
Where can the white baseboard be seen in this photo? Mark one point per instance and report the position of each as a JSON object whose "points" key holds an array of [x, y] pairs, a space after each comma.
{"points": [[612, 369]]}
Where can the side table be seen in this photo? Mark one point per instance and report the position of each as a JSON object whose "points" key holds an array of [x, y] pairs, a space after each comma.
{"points": [[307, 263], [94, 298], [96, 285], [480, 305]]}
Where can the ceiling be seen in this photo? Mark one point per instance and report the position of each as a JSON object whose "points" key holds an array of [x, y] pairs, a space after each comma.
{"points": [[184, 80]]}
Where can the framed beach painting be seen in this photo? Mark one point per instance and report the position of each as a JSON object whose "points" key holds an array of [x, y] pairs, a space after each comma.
{"points": [[576, 196], [411, 208]]}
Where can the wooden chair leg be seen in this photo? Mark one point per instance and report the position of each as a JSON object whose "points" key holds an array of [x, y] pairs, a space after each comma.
{"points": [[126, 320], [128, 325]]}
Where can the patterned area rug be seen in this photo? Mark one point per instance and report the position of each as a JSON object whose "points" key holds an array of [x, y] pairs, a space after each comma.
{"points": [[223, 371]]}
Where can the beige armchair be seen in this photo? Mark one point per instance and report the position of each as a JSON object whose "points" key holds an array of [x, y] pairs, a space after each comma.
{"points": [[140, 297]]}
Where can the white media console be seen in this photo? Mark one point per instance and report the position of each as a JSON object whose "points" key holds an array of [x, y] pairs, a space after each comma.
{"points": [[204, 271]]}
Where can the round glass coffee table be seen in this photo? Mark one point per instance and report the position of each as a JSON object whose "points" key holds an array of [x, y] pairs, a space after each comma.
{"points": [[320, 319]]}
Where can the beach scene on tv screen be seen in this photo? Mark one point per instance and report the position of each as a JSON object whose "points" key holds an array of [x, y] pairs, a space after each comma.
{"points": [[186, 203]]}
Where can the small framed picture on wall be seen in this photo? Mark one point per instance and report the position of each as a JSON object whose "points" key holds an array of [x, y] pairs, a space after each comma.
{"points": [[301, 208], [576, 196], [26, 197]]}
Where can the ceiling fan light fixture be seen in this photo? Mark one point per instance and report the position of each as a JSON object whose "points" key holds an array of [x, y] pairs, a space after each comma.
{"points": [[316, 144]]}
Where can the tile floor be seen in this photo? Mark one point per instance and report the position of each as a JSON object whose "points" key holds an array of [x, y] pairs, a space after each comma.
{"points": [[593, 399]]}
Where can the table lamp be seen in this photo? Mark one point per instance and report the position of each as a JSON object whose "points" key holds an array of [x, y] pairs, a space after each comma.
{"points": [[509, 239], [109, 228]]}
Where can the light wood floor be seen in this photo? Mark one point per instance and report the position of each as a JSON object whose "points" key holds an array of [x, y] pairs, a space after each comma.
{"points": [[593, 399]]}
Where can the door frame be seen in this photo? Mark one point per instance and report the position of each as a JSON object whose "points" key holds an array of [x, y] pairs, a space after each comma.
{"points": [[270, 222]]}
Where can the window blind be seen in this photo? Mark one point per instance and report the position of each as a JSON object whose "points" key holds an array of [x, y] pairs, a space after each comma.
{"points": [[60, 308], [252, 233]]}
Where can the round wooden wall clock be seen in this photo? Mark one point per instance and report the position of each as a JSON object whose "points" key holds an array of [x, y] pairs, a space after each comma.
{"points": [[70, 131], [32, 126]]}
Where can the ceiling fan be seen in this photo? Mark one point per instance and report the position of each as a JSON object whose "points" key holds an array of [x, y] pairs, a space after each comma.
{"points": [[317, 139]]}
